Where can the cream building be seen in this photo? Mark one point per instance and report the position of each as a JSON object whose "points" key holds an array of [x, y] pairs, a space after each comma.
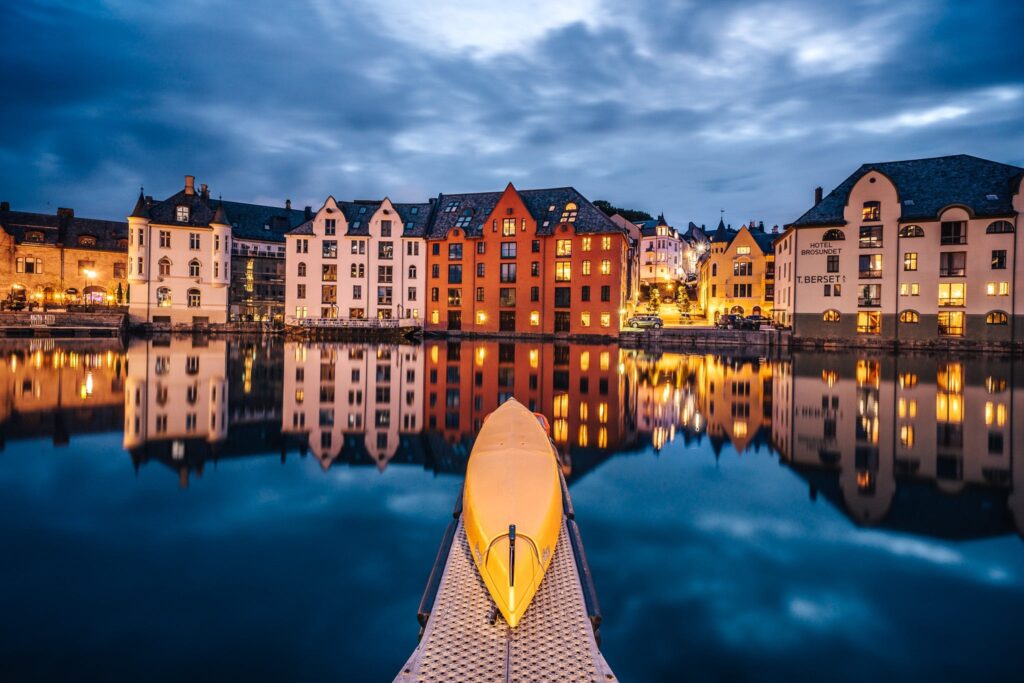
{"points": [[358, 261], [908, 250], [179, 259], [662, 253], [353, 400], [737, 273]]}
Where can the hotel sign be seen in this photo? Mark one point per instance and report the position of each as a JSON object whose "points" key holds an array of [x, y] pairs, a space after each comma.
{"points": [[821, 249]]}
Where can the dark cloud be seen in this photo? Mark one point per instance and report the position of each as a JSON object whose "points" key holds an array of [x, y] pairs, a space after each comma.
{"points": [[675, 106]]}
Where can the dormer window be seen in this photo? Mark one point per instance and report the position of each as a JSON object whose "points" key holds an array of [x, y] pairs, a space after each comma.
{"points": [[464, 220], [362, 210], [414, 210], [569, 214], [872, 211], [86, 241], [34, 237], [330, 226], [181, 214], [452, 206]]}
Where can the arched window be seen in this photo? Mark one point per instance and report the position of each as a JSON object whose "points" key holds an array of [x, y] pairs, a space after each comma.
{"points": [[830, 316], [996, 318], [911, 231], [833, 235], [872, 211], [412, 272], [194, 298], [193, 268], [999, 227], [910, 317], [569, 215], [86, 240], [302, 270], [165, 266], [163, 297]]}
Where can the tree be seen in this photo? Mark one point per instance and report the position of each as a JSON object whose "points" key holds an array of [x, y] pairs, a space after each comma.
{"points": [[655, 301], [683, 299], [628, 214]]}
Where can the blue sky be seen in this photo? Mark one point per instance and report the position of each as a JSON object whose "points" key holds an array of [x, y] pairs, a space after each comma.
{"points": [[677, 106]]}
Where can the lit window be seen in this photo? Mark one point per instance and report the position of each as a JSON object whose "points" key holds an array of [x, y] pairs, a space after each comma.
{"points": [[194, 299], [606, 320], [910, 260], [563, 271], [586, 267], [569, 214], [534, 318], [606, 267], [742, 251], [911, 231], [481, 317], [951, 294], [563, 248], [830, 316], [869, 322], [508, 227], [909, 317], [951, 323], [181, 214], [907, 436], [833, 235], [585, 244], [910, 289], [997, 288], [585, 319], [606, 243], [872, 211], [163, 297], [995, 413], [996, 318]]}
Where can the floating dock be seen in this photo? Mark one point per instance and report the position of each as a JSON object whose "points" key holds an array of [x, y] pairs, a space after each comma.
{"points": [[463, 638]]}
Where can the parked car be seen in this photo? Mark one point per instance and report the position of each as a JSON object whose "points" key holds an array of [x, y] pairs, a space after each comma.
{"points": [[645, 320], [728, 322], [754, 322]]}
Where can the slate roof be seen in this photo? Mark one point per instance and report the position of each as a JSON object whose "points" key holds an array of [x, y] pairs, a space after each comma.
{"points": [[931, 185], [65, 229], [544, 205], [248, 221]]}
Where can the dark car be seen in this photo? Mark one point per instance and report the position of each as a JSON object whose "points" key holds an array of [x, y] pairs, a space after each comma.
{"points": [[645, 321], [728, 322], [754, 322]]}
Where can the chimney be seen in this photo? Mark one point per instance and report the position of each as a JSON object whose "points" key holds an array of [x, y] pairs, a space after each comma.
{"points": [[204, 191], [69, 213], [817, 195], [309, 212], [5, 206], [288, 204], [190, 184], [775, 229]]}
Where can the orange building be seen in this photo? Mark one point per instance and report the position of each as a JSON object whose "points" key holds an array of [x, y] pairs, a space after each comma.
{"points": [[530, 262]]}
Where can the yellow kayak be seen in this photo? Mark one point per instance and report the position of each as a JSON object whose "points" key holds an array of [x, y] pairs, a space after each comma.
{"points": [[512, 506]]}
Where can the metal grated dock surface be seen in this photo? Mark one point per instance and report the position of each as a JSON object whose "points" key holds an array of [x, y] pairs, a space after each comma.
{"points": [[553, 642]]}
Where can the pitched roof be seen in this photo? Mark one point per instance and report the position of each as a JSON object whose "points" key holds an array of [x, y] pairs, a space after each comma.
{"points": [[927, 186], [545, 206], [65, 229]]}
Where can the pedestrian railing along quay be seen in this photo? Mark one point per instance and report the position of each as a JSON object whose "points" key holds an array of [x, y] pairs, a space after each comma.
{"points": [[464, 639], [61, 324]]}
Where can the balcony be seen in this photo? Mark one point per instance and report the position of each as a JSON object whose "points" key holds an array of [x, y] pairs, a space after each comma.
{"points": [[869, 301]]}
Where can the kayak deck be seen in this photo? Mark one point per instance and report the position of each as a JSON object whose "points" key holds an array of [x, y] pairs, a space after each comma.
{"points": [[554, 641]]}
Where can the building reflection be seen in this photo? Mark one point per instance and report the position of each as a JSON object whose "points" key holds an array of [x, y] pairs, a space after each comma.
{"points": [[52, 389], [917, 443]]}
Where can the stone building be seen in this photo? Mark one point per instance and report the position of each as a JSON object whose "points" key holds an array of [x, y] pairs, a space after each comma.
{"points": [[56, 259], [908, 250], [737, 273]]}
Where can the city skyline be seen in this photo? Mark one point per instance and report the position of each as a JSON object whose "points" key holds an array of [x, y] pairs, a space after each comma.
{"points": [[683, 108]]}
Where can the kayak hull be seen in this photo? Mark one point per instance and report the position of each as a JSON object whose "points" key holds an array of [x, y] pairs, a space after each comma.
{"points": [[512, 507]]}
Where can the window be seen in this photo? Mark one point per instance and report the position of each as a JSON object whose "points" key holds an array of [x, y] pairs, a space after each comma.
{"points": [[586, 267], [870, 295], [193, 298], [998, 259], [714, 270], [455, 252], [997, 288], [869, 322], [830, 290], [534, 318], [563, 248], [302, 246], [910, 260], [996, 318], [480, 294], [606, 293], [193, 240], [534, 293], [330, 226], [163, 297], [119, 270], [329, 294], [508, 227], [606, 321], [359, 246], [181, 214], [164, 267], [910, 317], [951, 323], [951, 294], [330, 249], [452, 206], [535, 268], [830, 316], [911, 231], [193, 268], [357, 291], [386, 250], [743, 268], [435, 295], [357, 270], [999, 227], [833, 235], [870, 266], [585, 244], [535, 246], [952, 263], [385, 228], [563, 297], [585, 319], [910, 289], [37, 237], [464, 220], [872, 211], [386, 274], [563, 271], [870, 236], [412, 272], [606, 243], [455, 273], [832, 264], [329, 273], [953, 232], [435, 271], [508, 272], [569, 214], [455, 296], [507, 296], [508, 250], [165, 239], [585, 293], [384, 296], [300, 292]]}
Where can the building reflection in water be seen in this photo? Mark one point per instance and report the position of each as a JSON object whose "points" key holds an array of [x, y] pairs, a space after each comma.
{"points": [[921, 444]]}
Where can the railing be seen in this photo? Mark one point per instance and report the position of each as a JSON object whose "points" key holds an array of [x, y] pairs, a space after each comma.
{"points": [[354, 323]]}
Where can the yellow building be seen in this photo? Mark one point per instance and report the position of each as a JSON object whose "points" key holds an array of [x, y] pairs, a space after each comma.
{"points": [[737, 274]]}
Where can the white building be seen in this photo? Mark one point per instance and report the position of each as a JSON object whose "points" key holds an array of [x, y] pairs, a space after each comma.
{"points": [[662, 253], [356, 261]]}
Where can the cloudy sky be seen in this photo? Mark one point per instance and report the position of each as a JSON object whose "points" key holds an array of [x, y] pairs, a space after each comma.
{"points": [[679, 106]]}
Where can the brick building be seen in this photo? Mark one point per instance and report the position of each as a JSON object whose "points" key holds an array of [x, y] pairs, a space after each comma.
{"points": [[536, 261], [61, 258]]}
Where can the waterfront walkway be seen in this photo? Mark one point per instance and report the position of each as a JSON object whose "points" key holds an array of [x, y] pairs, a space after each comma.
{"points": [[555, 641]]}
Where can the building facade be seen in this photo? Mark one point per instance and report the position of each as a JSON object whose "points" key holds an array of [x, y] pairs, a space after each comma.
{"points": [[662, 253], [360, 260], [908, 250], [58, 259], [737, 273], [530, 262]]}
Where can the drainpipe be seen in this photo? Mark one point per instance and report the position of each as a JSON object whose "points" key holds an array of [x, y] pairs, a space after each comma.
{"points": [[899, 268]]}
